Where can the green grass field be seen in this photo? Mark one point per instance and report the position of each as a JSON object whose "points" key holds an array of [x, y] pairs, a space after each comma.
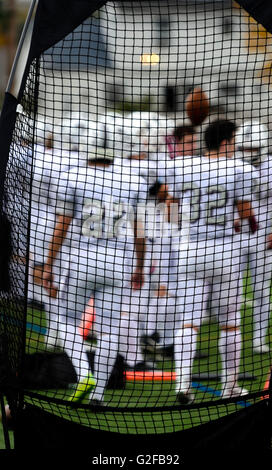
{"points": [[159, 394]]}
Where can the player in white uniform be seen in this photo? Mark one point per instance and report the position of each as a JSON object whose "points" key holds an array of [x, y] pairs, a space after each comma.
{"points": [[151, 313], [134, 311], [47, 165], [154, 309], [98, 203], [158, 314], [183, 141], [252, 147], [162, 314], [213, 186]]}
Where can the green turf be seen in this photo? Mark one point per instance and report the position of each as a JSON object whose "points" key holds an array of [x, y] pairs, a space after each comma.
{"points": [[159, 394], [2, 438]]}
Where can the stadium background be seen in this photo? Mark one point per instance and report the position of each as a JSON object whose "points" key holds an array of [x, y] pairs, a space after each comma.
{"points": [[256, 41]]}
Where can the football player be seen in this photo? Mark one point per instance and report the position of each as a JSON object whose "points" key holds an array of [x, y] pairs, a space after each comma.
{"points": [[97, 203], [183, 141], [156, 306], [162, 312], [212, 186], [48, 163], [252, 141]]}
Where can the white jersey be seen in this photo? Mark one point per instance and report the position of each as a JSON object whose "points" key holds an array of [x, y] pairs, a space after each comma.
{"points": [[210, 188], [262, 202], [46, 167], [144, 168], [149, 170], [102, 202]]}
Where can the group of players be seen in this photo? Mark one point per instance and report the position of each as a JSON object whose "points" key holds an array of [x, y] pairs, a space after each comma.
{"points": [[143, 230]]}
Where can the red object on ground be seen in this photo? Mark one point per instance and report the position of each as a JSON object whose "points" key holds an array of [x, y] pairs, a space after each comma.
{"points": [[266, 387], [87, 319], [150, 376]]}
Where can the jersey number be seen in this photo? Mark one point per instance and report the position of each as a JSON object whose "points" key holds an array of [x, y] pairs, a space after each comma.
{"points": [[218, 202]]}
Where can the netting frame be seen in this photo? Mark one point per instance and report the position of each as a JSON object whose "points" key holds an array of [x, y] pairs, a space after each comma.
{"points": [[8, 117]]}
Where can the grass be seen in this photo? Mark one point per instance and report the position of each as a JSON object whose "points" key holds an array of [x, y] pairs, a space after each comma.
{"points": [[157, 394], [2, 438]]}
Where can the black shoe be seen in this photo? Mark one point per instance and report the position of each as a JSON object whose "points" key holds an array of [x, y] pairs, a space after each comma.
{"points": [[36, 304], [91, 337], [150, 343], [141, 367], [167, 351], [201, 355], [117, 379], [185, 398], [97, 405]]}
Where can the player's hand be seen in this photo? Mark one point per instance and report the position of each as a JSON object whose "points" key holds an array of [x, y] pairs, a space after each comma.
{"points": [[237, 225], [48, 281], [253, 224], [162, 194], [269, 242], [137, 279]]}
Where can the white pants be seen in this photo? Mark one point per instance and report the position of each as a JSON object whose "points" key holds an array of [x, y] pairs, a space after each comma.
{"points": [[215, 263], [103, 273], [259, 262], [162, 314]]}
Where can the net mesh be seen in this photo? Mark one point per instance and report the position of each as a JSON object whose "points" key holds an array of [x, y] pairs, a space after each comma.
{"points": [[140, 288]]}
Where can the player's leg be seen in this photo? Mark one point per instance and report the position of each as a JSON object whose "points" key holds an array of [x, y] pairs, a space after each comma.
{"points": [[161, 309], [133, 325], [72, 301], [190, 306], [85, 274], [152, 273], [130, 345], [261, 273], [111, 284], [227, 294]]}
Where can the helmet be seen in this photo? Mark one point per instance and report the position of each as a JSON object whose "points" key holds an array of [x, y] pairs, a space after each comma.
{"points": [[252, 142], [149, 131]]}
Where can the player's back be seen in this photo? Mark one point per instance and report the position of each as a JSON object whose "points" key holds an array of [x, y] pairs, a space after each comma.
{"points": [[103, 203], [146, 169], [48, 165], [210, 187]]}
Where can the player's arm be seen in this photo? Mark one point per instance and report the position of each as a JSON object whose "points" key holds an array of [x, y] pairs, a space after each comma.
{"points": [[269, 241], [245, 211], [161, 191], [140, 250], [246, 180], [60, 231]]}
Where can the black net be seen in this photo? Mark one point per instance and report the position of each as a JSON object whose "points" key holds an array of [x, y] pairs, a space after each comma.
{"points": [[140, 270]]}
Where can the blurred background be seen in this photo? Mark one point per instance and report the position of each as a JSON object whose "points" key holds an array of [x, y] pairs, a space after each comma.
{"points": [[224, 51], [157, 71], [12, 17]]}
